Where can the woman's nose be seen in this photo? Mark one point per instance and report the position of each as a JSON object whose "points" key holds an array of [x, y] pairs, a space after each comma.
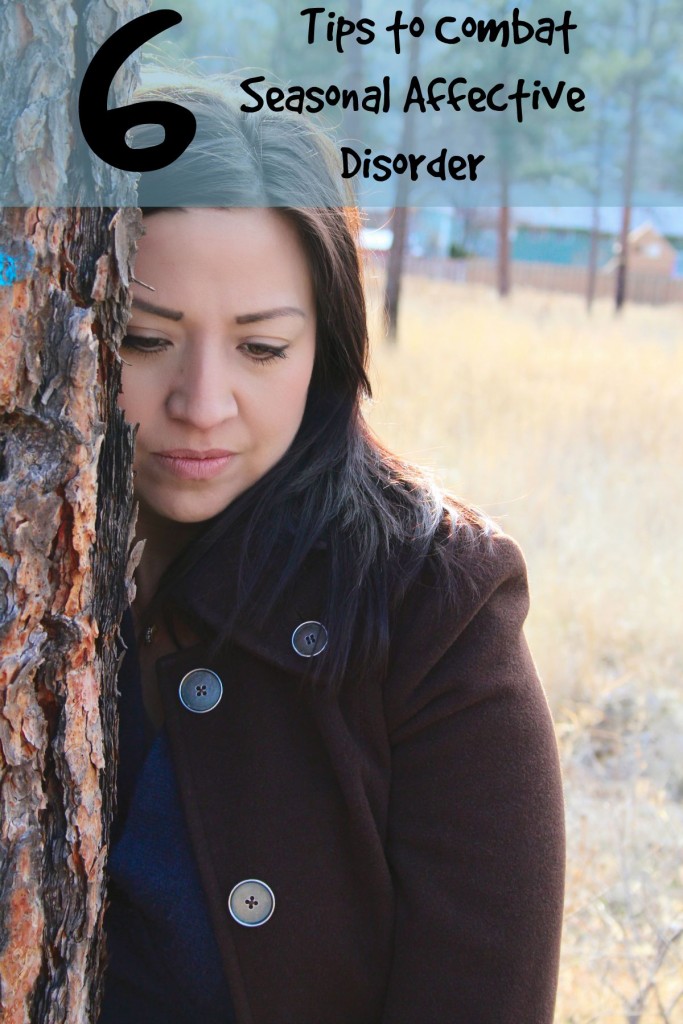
{"points": [[204, 393]]}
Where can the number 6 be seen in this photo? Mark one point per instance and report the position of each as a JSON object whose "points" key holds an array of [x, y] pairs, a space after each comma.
{"points": [[105, 129]]}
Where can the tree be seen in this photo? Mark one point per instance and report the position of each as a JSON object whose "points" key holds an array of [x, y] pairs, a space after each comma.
{"points": [[399, 216], [65, 512], [653, 39], [634, 67], [518, 154]]}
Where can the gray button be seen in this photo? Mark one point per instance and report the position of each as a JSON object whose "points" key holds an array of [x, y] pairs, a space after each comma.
{"points": [[200, 690], [251, 903], [309, 639]]}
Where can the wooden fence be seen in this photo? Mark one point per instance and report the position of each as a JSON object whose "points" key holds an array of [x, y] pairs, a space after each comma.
{"points": [[645, 288]]}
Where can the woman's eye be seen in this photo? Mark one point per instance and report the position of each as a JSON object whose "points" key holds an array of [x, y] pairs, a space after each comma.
{"points": [[147, 346], [261, 353]]}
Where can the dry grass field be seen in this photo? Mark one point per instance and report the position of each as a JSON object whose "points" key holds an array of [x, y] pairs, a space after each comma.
{"points": [[568, 429]]}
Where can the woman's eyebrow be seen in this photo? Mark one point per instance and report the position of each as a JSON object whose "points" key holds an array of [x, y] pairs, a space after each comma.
{"points": [[151, 307], [269, 314], [245, 318]]}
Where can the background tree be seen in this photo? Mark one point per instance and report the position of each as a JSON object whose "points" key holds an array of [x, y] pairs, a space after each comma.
{"points": [[400, 212], [523, 156], [634, 68], [65, 511]]}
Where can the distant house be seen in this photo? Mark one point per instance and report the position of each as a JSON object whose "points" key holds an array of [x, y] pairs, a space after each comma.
{"points": [[550, 247], [648, 253]]}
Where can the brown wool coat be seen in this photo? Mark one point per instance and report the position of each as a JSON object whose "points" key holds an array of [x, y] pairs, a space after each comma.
{"points": [[411, 829]]}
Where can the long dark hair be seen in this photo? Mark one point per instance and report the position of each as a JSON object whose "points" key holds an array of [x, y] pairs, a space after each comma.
{"points": [[379, 518]]}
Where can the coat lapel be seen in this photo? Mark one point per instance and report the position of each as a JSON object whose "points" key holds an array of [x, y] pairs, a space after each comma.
{"points": [[205, 597]]}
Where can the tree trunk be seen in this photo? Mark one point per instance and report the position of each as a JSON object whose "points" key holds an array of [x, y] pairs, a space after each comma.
{"points": [[65, 521], [600, 144], [621, 280], [504, 244], [62, 587], [629, 184], [399, 224], [399, 217], [593, 257], [506, 154], [354, 75]]}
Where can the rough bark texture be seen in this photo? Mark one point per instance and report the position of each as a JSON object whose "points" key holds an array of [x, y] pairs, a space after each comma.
{"points": [[45, 46], [62, 592], [65, 520]]}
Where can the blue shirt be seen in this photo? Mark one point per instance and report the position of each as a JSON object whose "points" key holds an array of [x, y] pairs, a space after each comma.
{"points": [[164, 966]]}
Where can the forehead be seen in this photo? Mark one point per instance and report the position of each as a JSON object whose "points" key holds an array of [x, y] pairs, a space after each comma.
{"points": [[237, 253]]}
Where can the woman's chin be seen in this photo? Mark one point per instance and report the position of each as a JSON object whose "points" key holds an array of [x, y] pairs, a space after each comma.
{"points": [[180, 513]]}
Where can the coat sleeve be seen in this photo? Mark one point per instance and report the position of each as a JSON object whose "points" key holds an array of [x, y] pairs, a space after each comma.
{"points": [[476, 825]]}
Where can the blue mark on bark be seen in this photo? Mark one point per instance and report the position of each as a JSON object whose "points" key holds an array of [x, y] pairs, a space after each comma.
{"points": [[16, 261], [9, 272]]}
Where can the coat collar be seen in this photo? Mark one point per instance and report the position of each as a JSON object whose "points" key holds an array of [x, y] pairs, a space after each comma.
{"points": [[204, 596]]}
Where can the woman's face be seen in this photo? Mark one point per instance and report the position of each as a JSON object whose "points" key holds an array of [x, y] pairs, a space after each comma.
{"points": [[221, 355]]}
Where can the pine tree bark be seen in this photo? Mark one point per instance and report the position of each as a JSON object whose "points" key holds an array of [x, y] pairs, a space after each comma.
{"points": [[66, 524], [62, 592]]}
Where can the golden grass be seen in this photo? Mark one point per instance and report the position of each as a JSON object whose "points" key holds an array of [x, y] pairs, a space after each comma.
{"points": [[567, 428]]}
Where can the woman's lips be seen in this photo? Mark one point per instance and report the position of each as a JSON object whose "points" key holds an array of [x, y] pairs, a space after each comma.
{"points": [[194, 465]]}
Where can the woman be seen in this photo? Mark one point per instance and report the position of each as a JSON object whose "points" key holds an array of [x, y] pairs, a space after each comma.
{"points": [[339, 795]]}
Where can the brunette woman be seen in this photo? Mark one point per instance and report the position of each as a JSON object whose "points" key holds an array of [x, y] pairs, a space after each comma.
{"points": [[339, 795]]}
